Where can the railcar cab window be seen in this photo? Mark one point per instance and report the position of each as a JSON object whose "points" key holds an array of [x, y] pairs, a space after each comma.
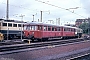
{"points": [[9, 24], [4, 24], [33, 27], [30, 27]]}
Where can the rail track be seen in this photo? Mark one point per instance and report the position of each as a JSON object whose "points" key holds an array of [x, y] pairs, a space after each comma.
{"points": [[11, 48], [11, 42]]}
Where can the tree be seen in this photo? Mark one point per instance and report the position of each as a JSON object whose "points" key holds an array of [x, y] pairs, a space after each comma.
{"points": [[85, 27]]}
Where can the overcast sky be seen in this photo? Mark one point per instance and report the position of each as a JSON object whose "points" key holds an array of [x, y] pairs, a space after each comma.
{"points": [[52, 10]]}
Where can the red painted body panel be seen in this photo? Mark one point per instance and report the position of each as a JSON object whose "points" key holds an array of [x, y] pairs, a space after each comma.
{"points": [[36, 34], [51, 34], [68, 33], [40, 33], [46, 34]]}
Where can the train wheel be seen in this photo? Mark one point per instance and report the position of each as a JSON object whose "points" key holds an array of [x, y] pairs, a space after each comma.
{"points": [[39, 40], [46, 39]]}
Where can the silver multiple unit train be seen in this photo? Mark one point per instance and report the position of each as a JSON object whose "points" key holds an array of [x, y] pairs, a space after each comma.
{"points": [[10, 28]]}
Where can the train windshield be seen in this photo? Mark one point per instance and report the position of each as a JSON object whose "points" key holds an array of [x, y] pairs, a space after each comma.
{"points": [[28, 27]]}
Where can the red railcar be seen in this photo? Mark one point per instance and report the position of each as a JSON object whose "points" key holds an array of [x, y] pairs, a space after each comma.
{"points": [[41, 31]]}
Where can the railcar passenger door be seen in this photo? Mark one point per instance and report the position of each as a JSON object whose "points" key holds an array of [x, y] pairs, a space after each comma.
{"points": [[39, 31]]}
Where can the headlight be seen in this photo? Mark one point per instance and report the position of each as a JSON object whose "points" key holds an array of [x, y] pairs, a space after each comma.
{"points": [[75, 32]]}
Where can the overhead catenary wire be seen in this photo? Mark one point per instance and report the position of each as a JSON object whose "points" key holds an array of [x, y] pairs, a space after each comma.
{"points": [[47, 4], [59, 7], [79, 5]]}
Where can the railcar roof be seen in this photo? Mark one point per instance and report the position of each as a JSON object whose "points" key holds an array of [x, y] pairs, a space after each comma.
{"points": [[46, 24], [40, 23]]}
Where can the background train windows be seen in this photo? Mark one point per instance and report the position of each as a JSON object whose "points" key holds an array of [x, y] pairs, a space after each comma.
{"points": [[4, 24], [9, 24], [14, 25], [19, 25]]}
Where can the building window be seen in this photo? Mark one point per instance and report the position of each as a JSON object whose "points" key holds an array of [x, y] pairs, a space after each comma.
{"points": [[4, 24], [14, 25], [10, 24]]}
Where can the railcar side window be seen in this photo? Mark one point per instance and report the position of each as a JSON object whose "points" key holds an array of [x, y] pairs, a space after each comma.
{"points": [[14, 25], [4, 24], [58, 29], [49, 28], [72, 30], [52, 28], [45, 28], [10, 24], [35, 27], [40, 28], [67, 29]]}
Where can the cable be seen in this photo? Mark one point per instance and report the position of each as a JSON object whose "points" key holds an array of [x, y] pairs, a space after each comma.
{"points": [[60, 8]]}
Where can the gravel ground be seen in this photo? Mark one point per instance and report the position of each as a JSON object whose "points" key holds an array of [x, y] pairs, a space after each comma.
{"points": [[46, 54]]}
